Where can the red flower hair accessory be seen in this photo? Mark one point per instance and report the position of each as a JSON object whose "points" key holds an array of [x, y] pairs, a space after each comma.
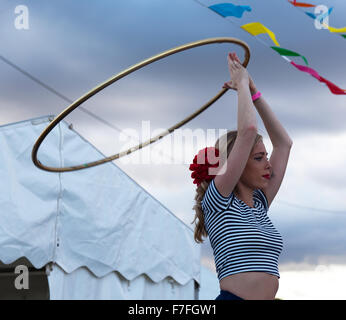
{"points": [[200, 170]]}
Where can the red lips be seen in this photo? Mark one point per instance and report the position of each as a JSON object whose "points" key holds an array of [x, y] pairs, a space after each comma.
{"points": [[267, 176]]}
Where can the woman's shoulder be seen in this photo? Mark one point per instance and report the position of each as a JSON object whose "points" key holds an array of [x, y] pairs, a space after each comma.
{"points": [[214, 199]]}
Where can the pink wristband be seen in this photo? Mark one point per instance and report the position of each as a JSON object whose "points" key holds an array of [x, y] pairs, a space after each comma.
{"points": [[256, 95]]}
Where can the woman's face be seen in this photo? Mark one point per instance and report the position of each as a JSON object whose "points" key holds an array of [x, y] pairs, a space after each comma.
{"points": [[256, 168]]}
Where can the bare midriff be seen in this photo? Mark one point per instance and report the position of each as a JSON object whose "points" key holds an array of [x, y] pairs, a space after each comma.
{"points": [[251, 285]]}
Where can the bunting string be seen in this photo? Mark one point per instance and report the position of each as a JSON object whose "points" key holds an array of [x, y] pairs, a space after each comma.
{"points": [[255, 28]]}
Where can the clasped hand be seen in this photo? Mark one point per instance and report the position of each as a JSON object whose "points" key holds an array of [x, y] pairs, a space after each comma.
{"points": [[238, 74]]}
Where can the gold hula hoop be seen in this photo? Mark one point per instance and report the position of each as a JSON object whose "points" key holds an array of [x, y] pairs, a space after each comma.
{"points": [[117, 77]]}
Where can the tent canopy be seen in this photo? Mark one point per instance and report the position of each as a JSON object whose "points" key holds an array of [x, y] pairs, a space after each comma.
{"points": [[98, 217]]}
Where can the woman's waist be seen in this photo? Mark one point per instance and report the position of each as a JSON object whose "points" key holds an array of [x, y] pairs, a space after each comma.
{"points": [[251, 285]]}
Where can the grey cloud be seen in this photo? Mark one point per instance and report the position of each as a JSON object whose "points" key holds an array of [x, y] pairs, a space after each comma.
{"points": [[309, 237], [75, 45]]}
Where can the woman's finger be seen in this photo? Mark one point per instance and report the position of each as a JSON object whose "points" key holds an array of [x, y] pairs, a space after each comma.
{"points": [[231, 65], [236, 58], [231, 57], [230, 62]]}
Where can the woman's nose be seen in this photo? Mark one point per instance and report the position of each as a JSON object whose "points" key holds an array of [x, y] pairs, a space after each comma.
{"points": [[268, 164]]}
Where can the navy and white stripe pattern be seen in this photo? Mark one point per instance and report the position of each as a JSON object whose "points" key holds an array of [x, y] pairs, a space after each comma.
{"points": [[243, 238]]}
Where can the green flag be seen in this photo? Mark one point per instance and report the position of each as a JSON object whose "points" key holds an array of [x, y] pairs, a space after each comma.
{"points": [[286, 52]]}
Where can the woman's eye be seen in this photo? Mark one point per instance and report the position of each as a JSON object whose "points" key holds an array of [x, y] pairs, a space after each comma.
{"points": [[260, 158]]}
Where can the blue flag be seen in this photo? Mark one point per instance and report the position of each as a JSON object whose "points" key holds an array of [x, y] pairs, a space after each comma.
{"points": [[321, 16], [229, 9]]}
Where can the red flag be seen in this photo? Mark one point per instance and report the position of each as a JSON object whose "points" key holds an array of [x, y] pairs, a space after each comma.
{"points": [[332, 87], [302, 4]]}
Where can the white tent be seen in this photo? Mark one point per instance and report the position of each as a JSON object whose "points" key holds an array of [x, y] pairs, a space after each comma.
{"points": [[96, 232]]}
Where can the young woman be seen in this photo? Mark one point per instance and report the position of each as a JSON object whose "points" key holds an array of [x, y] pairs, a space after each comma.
{"points": [[231, 207]]}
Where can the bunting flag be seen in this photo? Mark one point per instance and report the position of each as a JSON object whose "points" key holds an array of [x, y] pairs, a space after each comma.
{"points": [[302, 4], [229, 9], [256, 28], [332, 87], [324, 15], [331, 29], [321, 16], [286, 52]]}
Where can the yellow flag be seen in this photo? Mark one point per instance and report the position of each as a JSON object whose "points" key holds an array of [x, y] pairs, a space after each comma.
{"points": [[331, 29], [256, 28]]}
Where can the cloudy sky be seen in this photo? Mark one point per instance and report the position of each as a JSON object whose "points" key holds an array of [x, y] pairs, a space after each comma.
{"points": [[72, 46]]}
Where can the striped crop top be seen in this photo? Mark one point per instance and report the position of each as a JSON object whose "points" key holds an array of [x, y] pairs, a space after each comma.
{"points": [[243, 239]]}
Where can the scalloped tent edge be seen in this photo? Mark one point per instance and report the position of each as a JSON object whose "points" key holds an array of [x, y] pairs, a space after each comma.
{"points": [[74, 219]]}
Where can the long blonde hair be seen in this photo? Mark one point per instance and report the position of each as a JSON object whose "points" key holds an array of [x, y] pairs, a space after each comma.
{"points": [[200, 230]]}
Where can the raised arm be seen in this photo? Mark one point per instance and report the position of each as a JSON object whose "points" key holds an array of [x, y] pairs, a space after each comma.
{"points": [[277, 133], [279, 138], [247, 130], [282, 144]]}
